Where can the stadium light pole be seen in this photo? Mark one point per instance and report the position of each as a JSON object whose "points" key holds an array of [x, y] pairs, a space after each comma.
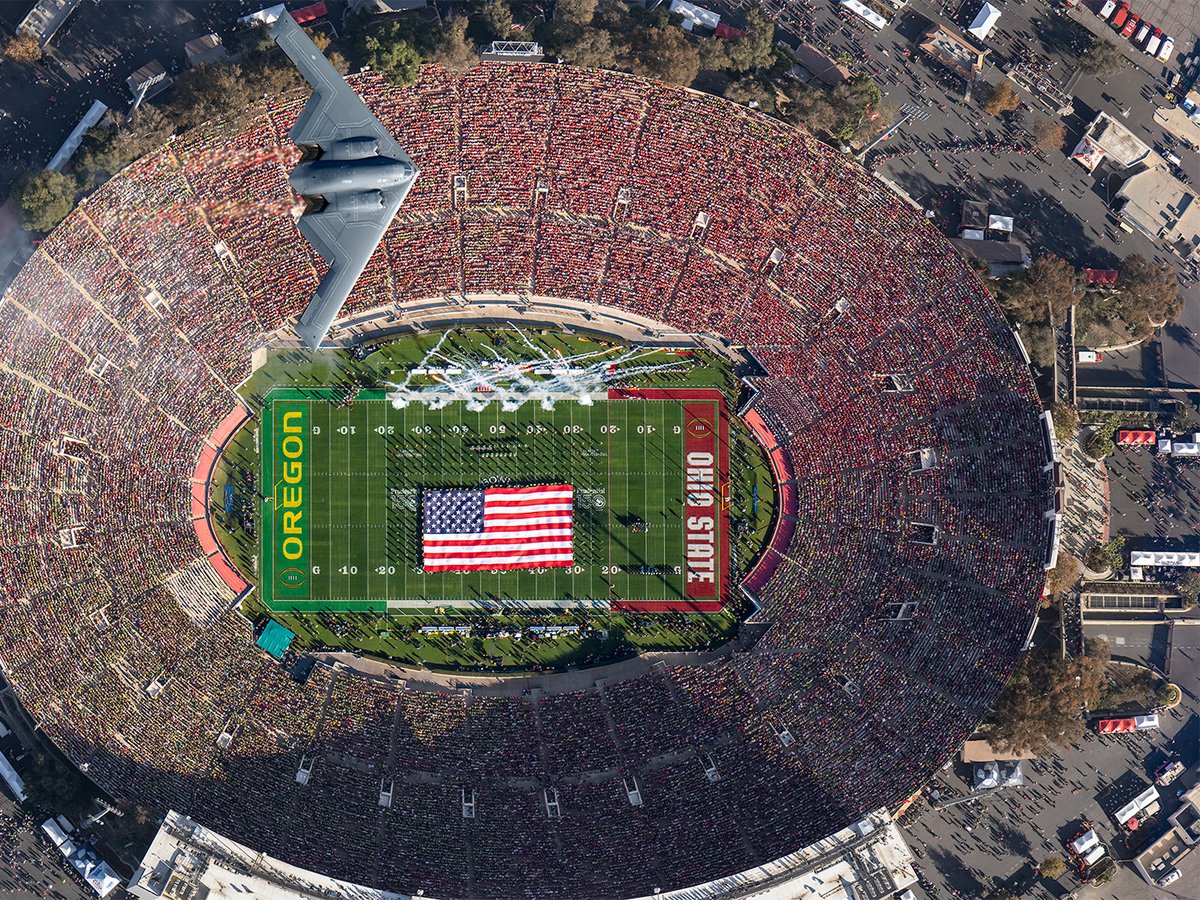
{"points": [[907, 114]]}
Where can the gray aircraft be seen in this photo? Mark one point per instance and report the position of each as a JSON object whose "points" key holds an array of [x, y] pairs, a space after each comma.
{"points": [[353, 177]]}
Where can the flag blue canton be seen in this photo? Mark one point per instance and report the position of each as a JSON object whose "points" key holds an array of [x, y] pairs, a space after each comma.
{"points": [[453, 512]]}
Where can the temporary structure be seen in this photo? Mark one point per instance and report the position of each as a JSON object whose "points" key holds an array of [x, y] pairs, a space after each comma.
{"points": [[984, 22]]}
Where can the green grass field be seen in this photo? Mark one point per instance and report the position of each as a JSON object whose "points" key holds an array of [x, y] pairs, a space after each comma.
{"points": [[362, 467], [393, 631]]}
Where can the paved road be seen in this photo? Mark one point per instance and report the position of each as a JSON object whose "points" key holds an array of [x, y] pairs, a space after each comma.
{"points": [[1155, 499], [1059, 207], [996, 840]]}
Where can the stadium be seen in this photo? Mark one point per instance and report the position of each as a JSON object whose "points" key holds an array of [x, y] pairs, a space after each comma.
{"points": [[901, 569]]}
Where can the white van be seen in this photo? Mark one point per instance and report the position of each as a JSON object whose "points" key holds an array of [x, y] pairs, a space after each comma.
{"points": [[1153, 44], [1141, 34], [1109, 7], [1164, 52], [1172, 158]]}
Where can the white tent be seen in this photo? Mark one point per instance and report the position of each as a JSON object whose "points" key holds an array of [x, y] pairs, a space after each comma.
{"points": [[985, 22]]}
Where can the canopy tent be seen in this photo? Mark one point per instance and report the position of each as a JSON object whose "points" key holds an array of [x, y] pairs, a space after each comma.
{"points": [[1000, 223], [1136, 436], [984, 22], [275, 639], [1085, 841]]}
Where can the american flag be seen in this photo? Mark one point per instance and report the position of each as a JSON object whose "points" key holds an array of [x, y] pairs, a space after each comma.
{"points": [[469, 529]]}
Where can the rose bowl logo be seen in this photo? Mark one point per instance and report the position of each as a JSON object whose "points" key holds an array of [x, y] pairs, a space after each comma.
{"points": [[292, 578]]}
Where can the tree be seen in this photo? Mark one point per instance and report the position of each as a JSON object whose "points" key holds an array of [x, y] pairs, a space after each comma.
{"points": [[1102, 58], [1148, 295], [386, 51], [211, 92], [497, 17], [256, 38], [1066, 421], [452, 50], [593, 49], [1099, 442], [111, 146], [54, 785], [1044, 291], [1001, 99], [45, 197], [1064, 575], [1048, 135], [757, 48], [750, 90], [1052, 867], [1041, 706], [23, 48], [575, 12], [666, 54], [1107, 555], [1189, 589]]}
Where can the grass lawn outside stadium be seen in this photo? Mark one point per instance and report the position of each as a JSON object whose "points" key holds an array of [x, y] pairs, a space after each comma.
{"points": [[334, 547]]}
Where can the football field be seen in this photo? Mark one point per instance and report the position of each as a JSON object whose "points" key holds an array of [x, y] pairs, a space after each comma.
{"points": [[342, 485]]}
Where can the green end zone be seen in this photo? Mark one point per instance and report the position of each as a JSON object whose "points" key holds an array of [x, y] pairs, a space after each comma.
{"points": [[341, 485]]}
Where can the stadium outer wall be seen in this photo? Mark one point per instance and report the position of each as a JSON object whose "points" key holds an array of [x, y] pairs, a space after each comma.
{"points": [[128, 328]]}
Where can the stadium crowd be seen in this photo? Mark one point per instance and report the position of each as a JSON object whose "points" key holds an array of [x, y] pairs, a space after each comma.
{"points": [[127, 333]]}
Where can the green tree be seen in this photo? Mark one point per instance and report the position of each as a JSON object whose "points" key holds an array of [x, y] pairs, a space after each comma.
{"points": [[593, 49], [1102, 58], [1099, 442], [750, 90], [757, 48], [1001, 99], [112, 145], [666, 54], [1148, 294], [1041, 706], [54, 785], [1066, 421], [497, 17], [1052, 867], [45, 198], [256, 38], [1042, 293], [23, 48], [386, 51], [575, 12], [452, 50], [1189, 589], [1107, 555], [212, 91]]}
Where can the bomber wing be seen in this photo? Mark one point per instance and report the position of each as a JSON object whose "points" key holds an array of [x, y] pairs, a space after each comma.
{"points": [[335, 111], [345, 240]]}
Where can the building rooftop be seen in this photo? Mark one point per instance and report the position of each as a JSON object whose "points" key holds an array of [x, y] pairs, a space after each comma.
{"points": [[187, 860], [1161, 206], [953, 52], [1116, 141]]}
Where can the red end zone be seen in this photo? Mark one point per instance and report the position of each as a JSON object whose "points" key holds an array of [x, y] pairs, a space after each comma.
{"points": [[706, 506]]}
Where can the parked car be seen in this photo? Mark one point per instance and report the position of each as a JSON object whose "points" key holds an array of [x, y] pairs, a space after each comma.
{"points": [[1164, 52], [1109, 7], [1143, 32], [1130, 24], [1170, 878]]}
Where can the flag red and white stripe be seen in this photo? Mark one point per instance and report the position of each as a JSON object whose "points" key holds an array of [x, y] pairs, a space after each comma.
{"points": [[497, 528]]}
